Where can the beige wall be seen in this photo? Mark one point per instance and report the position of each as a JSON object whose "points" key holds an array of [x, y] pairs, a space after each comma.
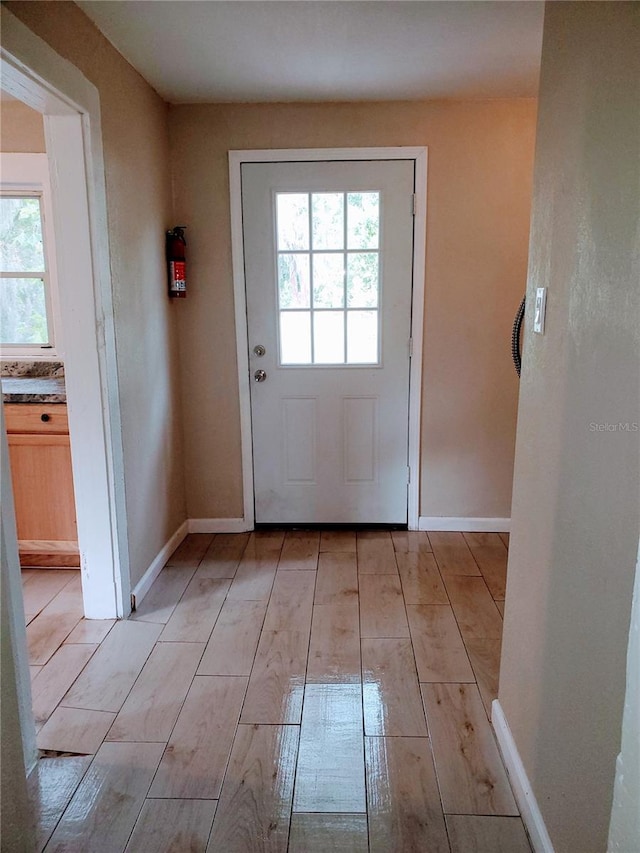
{"points": [[480, 165], [21, 129], [136, 155], [575, 503]]}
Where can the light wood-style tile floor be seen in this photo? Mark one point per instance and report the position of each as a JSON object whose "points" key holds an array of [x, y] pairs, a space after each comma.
{"points": [[298, 691]]}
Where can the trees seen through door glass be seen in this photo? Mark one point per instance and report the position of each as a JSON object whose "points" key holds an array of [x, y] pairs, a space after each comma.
{"points": [[328, 277]]}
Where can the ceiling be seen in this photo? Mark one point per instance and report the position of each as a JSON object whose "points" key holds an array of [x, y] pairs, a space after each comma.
{"points": [[310, 50]]}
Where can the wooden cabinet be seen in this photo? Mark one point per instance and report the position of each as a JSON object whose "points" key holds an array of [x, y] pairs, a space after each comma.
{"points": [[40, 454]]}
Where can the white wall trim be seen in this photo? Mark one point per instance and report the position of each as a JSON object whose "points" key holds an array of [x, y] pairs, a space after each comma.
{"points": [[417, 337], [142, 587], [33, 72], [464, 524], [236, 159], [219, 525], [522, 790]]}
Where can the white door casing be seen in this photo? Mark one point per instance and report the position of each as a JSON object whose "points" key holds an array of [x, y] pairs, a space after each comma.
{"points": [[329, 439]]}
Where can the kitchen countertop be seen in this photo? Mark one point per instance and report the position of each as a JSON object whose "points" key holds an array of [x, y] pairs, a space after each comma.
{"points": [[33, 389]]}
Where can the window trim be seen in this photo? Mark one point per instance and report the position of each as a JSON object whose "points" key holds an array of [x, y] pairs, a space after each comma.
{"points": [[28, 174]]}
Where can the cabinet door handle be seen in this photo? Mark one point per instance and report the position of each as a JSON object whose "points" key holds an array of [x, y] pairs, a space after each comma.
{"points": [[45, 418]]}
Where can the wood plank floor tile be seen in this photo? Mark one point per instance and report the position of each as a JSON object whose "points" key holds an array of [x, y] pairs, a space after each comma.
{"points": [[232, 647], [300, 550], [75, 730], [330, 771], [257, 570], [196, 756], [105, 806], [276, 685], [338, 540], [51, 784], [56, 677], [475, 834], [113, 669], [452, 554], [291, 601], [391, 694], [485, 660], [191, 550], [171, 826], [40, 587], [164, 594], [475, 610], [334, 649], [438, 647], [90, 631], [471, 776], [500, 606], [223, 556], [403, 799], [382, 612], [47, 632], [328, 833], [266, 541], [337, 578], [505, 538], [376, 555], [151, 709], [421, 581], [195, 614], [490, 554], [33, 671], [255, 804], [405, 541]]}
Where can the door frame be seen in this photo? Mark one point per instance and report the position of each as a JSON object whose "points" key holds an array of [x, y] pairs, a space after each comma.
{"points": [[419, 156], [36, 75]]}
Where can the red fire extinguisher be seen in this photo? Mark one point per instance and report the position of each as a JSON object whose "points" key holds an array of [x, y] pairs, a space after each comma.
{"points": [[176, 261]]}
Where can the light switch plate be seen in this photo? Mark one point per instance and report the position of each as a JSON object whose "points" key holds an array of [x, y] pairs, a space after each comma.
{"points": [[539, 310]]}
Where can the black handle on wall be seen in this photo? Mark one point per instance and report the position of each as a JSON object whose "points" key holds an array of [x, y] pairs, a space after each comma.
{"points": [[515, 337]]}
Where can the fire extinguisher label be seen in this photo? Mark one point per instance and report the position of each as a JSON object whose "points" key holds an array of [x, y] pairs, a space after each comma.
{"points": [[178, 276]]}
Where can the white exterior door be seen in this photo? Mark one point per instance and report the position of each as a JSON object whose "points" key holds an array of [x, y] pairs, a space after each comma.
{"points": [[328, 270]]}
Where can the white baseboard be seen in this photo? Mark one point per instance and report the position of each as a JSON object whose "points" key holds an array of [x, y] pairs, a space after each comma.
{"points": [[142, 587], [525, 798], [464, 524], [218, 525]]}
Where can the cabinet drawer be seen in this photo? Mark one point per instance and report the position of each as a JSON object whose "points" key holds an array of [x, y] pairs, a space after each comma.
{"points": [[38, 418]]}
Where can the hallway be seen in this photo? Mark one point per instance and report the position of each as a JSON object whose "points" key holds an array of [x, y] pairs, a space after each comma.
{"points": [[304, 691]]}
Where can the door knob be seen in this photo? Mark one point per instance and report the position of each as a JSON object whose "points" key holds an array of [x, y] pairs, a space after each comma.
{"points": [[260, 375], [259, 350]]}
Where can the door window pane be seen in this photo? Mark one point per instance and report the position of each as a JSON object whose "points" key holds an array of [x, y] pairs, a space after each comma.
{"points": [[328, 337], [362, 279], [293, 281], [293, 221], [328, 220], [21, 248], [362, 337], [295, 337], [23, 311], [328, 280], [363, 220]]}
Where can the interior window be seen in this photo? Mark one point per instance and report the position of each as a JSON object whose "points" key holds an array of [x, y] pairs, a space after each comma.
{"points": [[28, 298], [23, 285]]}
